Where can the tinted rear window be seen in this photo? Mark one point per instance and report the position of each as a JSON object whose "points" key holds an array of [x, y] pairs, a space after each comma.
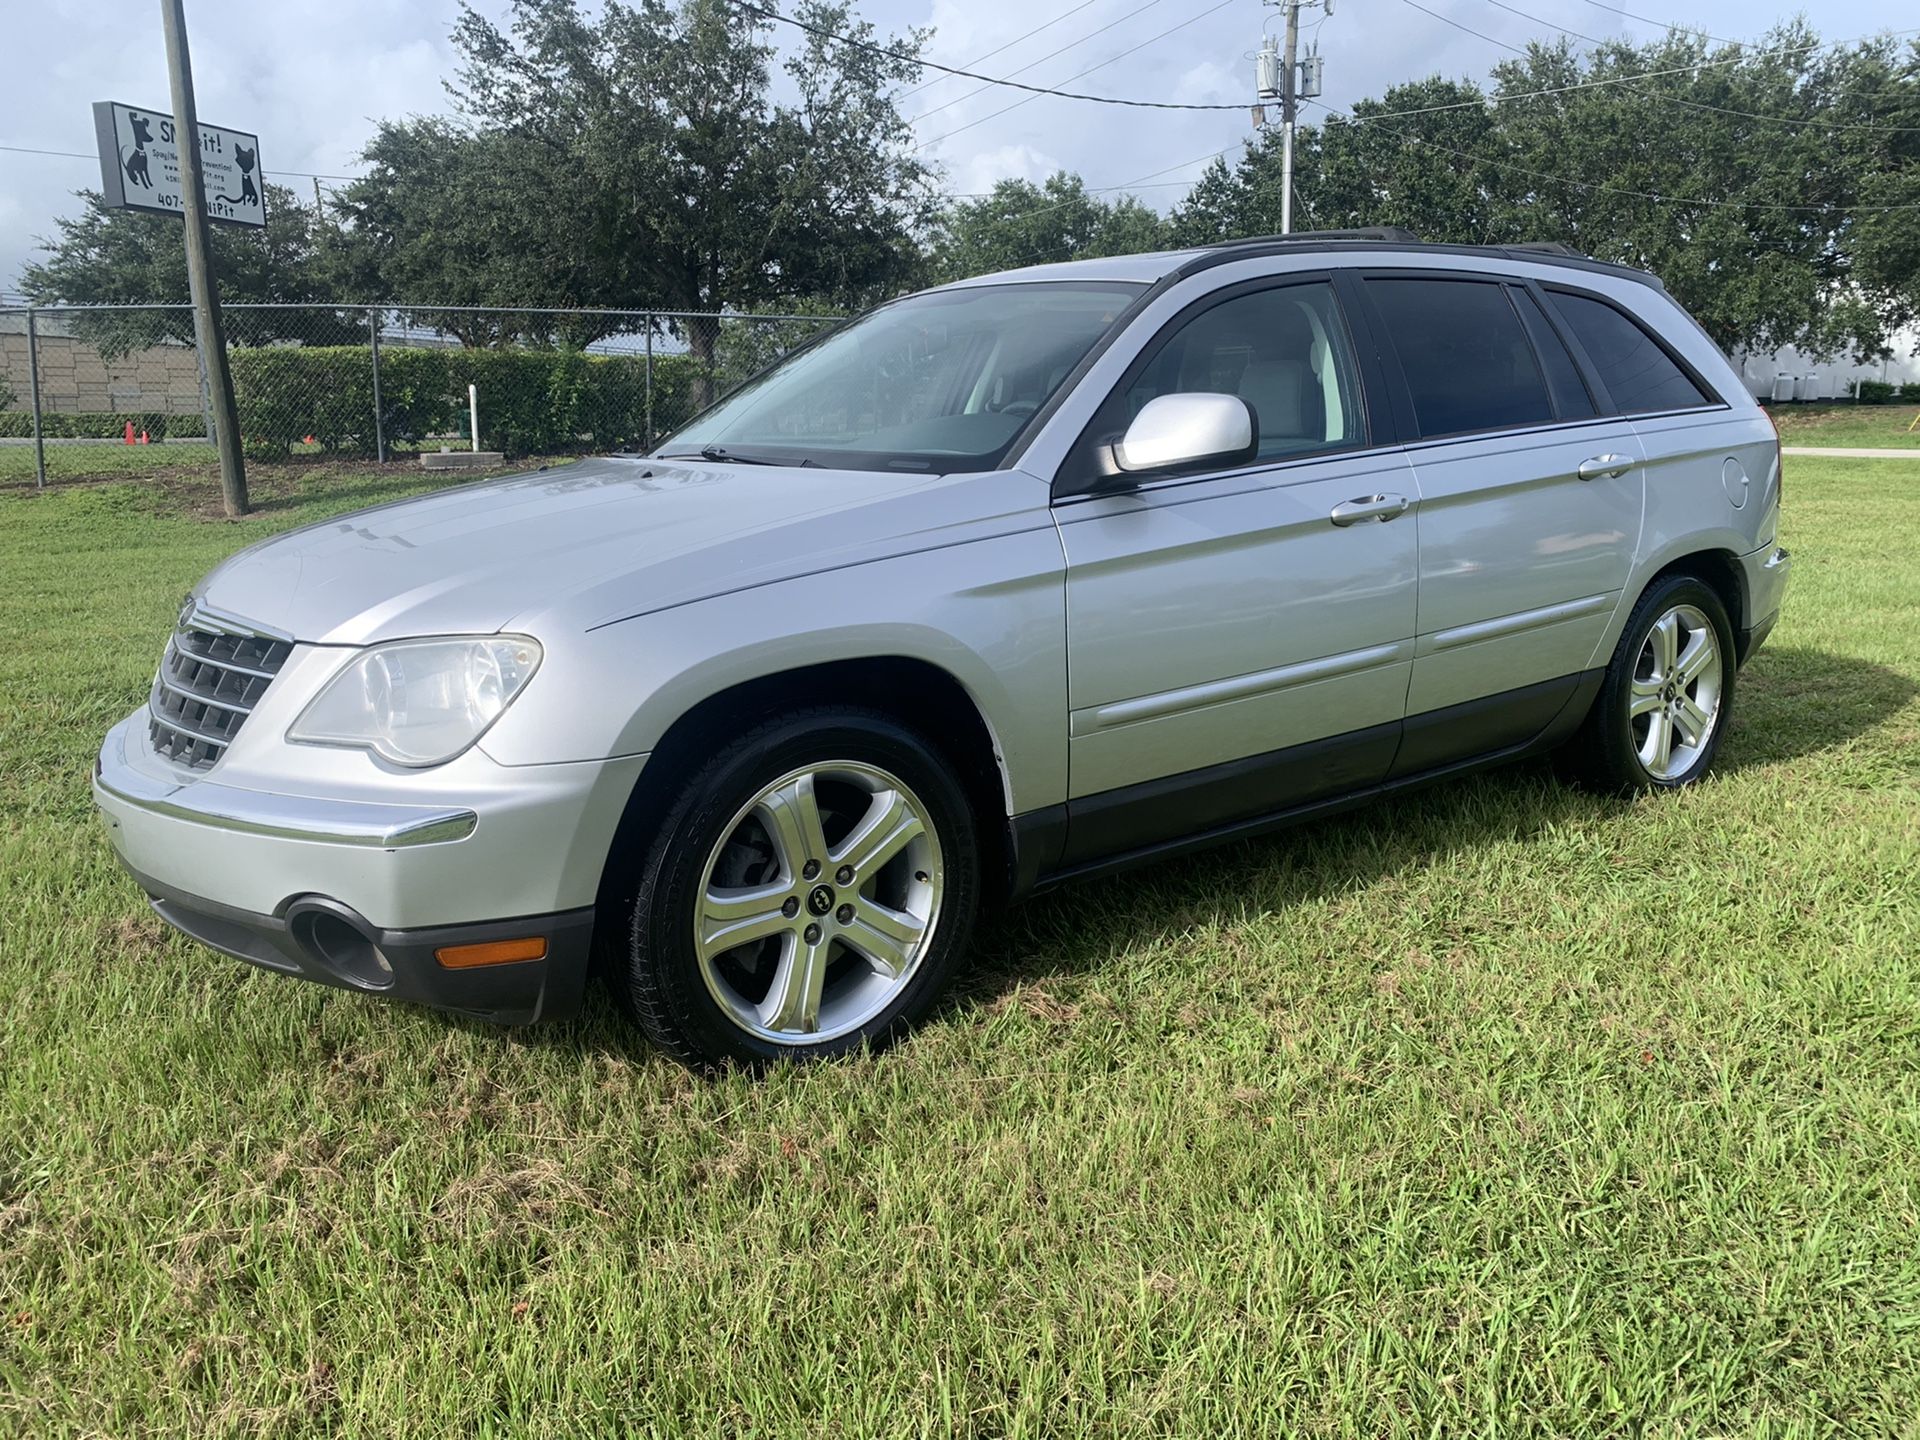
{"points": [[1468, 362], [1639, 375]]}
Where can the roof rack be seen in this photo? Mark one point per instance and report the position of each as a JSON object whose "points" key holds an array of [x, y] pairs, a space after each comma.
{"points": [[1548, 247], [1392, 234]]}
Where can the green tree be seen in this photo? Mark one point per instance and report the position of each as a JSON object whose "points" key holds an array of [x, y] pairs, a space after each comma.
{"points": [[1021, 223], [1760, 183], [109, 256], [637, 158]]}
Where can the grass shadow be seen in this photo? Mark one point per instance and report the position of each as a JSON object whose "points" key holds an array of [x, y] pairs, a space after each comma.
{"points": [[1791, 703]]}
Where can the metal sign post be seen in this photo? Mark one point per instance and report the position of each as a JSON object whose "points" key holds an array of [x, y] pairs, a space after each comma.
{"points": [[207, 328]]}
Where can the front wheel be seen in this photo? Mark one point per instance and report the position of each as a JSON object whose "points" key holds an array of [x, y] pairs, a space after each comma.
{"points": [[1667, 697], [807, 894]]}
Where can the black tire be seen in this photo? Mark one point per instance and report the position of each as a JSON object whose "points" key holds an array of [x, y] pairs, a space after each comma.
{"points": [[657, 973], [1605, 753]]}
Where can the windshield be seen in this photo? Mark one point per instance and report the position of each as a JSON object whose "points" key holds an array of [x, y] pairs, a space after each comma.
{"points": [[936, 382]]}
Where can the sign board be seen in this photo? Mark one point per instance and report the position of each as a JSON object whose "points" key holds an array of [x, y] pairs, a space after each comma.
{"points": [[140, 165]]}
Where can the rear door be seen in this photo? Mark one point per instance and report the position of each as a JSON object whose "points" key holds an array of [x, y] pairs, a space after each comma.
{"points": [[1530, 513], [1237, 641]]}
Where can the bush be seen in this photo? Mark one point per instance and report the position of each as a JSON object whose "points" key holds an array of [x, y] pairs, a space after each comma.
{"points": [[94, 425], [1874, 392], [1910, 392], [531, 401]]}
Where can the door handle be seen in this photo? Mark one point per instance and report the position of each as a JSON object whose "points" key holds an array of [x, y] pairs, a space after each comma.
{"points": [[1611, 466], [1368, 507]]}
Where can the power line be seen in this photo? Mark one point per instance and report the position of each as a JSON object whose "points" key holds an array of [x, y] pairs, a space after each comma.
{"points": [[962, 99], [1464, 29], [84, 155], [873, 49], [1699, 104], [1664, 24], [1499, 99], [925, 84], [1152, 104], [1599, 189]]}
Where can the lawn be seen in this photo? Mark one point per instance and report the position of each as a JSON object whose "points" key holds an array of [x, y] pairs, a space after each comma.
{"points": [[1878, 427], [1499, 1110], [170, 460]]}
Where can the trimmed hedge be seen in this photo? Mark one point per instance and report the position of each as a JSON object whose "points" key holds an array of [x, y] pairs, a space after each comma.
{"points": [[1875, 392], [94, 425], [531, 401]]}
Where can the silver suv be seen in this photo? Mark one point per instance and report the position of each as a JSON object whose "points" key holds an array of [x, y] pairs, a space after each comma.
{"points": [[1000, 584]]}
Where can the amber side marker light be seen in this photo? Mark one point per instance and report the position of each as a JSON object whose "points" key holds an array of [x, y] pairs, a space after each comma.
{"points": [[492, 952]]}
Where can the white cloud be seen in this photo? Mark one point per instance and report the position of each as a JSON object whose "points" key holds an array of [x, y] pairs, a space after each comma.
{"points": [[977, 173]]}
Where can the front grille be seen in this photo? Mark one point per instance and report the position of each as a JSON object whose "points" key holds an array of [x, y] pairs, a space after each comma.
{"points": [[214, 672]]}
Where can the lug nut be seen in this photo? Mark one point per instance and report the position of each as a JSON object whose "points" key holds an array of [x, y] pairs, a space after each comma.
{"points": [[813, 934], [790, 907], [810, 869], [844, 875], [844, 914]]}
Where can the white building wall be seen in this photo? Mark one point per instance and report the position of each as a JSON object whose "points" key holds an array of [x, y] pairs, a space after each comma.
{"points": [[1826, 379]]}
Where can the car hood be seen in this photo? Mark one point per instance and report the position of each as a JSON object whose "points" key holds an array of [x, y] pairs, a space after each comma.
{"points": [[596, 542]]}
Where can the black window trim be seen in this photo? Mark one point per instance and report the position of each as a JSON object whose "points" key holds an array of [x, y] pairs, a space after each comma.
{"points": [[1713, 399], [1596, 396], [1073, 480]]}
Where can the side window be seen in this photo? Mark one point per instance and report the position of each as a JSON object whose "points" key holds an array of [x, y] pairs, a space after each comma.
{"points": [[1639, 375], [1571, 400], [1468, 362], [1283, 350]]}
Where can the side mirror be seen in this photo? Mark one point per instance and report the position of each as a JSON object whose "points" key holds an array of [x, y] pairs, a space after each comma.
{"points": [[1173, 431]]}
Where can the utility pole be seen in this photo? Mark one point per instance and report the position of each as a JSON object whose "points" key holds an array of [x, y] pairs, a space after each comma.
{"points": [[1280, 77], [1289, 108], [208, 332]]}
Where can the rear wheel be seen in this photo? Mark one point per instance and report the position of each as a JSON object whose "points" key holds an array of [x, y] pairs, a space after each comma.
{"points": [[807, 894], [1664, 706]]}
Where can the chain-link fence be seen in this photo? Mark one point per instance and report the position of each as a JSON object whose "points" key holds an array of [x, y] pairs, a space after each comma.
{"points": [[92, 391]]}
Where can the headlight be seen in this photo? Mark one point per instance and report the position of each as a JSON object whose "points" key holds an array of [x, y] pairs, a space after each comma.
{"points": [[419, 702]]}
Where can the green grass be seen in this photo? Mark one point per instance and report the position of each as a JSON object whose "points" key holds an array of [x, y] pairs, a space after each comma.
{"points": [[1878, 427], [1498, 1110], [67, 460]]}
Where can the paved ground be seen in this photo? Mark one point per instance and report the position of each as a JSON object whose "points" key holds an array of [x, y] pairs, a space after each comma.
{"points": [[1850, 452]]}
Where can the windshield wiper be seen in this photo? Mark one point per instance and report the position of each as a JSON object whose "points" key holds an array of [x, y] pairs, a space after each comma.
{"points": [[731, 457]]}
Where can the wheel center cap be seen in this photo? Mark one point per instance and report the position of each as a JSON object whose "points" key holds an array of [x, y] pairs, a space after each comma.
{"points": [[820, 900]]}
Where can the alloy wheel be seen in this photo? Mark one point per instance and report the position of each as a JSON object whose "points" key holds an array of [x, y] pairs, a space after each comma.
{"points": [[1674, 700], [818, 903]]}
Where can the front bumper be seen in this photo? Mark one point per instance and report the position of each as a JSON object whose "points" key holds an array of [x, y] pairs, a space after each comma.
{"points": [[361, 890], [326, 942]]}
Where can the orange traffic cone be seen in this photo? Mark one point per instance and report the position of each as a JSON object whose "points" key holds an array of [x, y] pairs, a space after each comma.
{"points": [[307, 441], [143, 437], [129, 432]]}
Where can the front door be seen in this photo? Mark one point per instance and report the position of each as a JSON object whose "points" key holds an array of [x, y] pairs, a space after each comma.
{"points": [[1238, 641]]}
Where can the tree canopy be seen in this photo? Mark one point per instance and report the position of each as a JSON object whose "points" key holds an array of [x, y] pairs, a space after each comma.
{"points": [[639, 158], [1021, 223], [1761, 183], [109, 256]]}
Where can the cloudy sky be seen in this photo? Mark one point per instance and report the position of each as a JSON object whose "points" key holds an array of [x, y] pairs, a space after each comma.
{"points": [[312, 76]]}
